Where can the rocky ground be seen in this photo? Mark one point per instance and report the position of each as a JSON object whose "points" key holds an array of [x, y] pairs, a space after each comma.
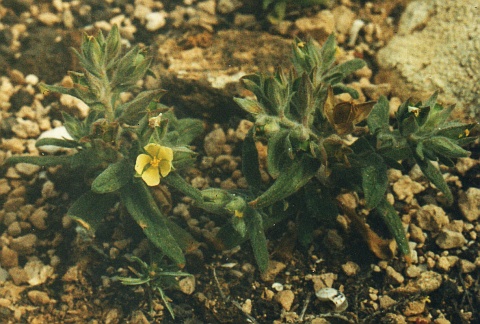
{"points": [[51, 273]]}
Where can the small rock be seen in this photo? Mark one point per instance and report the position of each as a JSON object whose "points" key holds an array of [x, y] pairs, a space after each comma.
{"points": [[37, 272], [467, 266], [431, 218], [228, 6], [386, 302], [247, 306], [325, 280], [48, 18], [72, 274], [428, 282], [394, 275], [25, 244], [414, 308], [8, 257], [19, 276], [187, 285], [214, 142], [350, 268], [285, 298], [155, 20], [38, 297], [14, 229], [469, 203], [38, 218], [15, 145], [319, 26], [274, 268], [449, 239], [4, 187], [405, 188], [76, 104], [413, 271], [416, 234], [242, 129], [344, 18], [27, 169], [31, 79], [445, 263]]}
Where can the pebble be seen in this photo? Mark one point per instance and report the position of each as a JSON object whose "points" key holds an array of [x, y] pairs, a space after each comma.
{"points": [[38, 218], [14, 145], [386, 301], [25, 244], [14, 229], [285, 298], [350, 268], [449, 239], [31, 79], [428, 282], [155, 20], [38, 297], [214, 142], [27, 169], [394, 275], [74, 103], [8, 258], [413, 271], [37, 272], [431, 218], [319, 26], [445, 263], [469, 203], [187, 285], [228, 6], [4, 186], [414, 308], [48, 18], [58, 133], [467, 266], [274, 268], [405, 188]]}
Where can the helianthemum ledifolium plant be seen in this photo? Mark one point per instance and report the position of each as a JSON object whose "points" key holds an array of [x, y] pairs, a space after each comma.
{"points": [[122, 148], [296, 114]]}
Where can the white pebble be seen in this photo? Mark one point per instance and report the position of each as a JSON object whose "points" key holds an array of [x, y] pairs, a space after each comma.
{"points": [[155, 20], [31, 79]]}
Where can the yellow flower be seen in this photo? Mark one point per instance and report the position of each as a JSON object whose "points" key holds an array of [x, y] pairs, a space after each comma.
{"points": [[158, 162]]}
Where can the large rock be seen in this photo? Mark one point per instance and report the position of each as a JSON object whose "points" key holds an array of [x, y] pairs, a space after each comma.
{"points": [[436, 48]]}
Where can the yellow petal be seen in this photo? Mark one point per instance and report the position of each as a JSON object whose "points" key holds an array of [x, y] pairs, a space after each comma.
{"points": [[142, 161], [152, 149], [151, 176], [165, 153], [165, 167]]}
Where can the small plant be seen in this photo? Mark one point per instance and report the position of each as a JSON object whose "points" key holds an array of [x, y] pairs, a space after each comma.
{"points": [[155, 279], [296, 114], [122, 147]]}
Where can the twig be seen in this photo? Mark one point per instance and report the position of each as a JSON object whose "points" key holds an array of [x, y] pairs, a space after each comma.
{"points": [[234, 302]]}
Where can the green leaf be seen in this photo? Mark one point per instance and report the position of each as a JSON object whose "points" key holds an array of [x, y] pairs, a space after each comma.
{"points": [[379, 116], [250, 105], [56, 142], [250, 165], [374, 180], [131, 112], [348, 67], [90, 209], [394, 225], [44, 161], [435, 176], [114, 177], [257, 238], [446, 147], [280, 153], [288, 182], [142, 207], [176, 181], [73, 126], [340, 88], [327, 53]]}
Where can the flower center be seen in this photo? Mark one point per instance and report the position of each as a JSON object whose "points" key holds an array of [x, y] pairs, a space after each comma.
{"points": [[154, 163]]}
